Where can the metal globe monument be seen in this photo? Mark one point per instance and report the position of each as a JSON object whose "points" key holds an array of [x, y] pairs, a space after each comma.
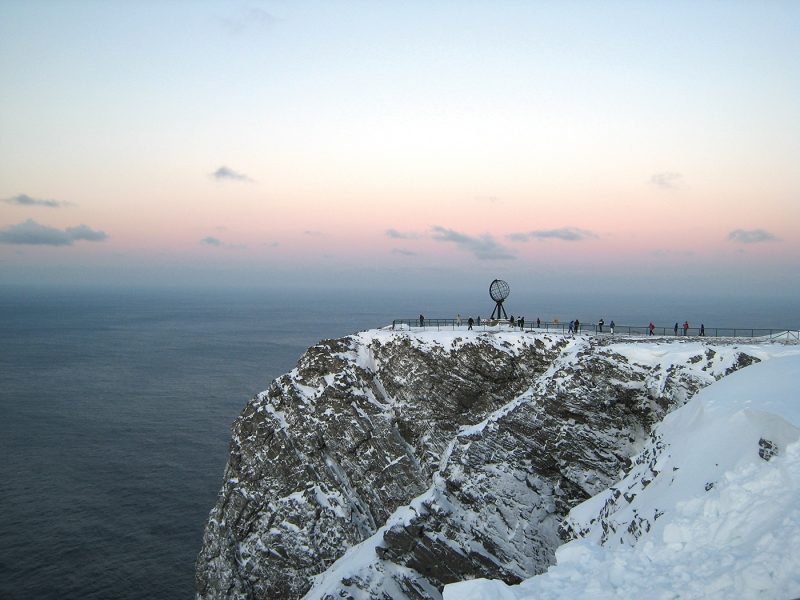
{"points": [[499, 291]]}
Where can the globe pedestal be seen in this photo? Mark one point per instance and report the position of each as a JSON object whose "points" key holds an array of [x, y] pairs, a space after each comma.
{"points": [[499, 309]]}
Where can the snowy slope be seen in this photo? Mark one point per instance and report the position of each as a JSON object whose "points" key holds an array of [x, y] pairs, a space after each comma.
{"points": [[709, 509]]}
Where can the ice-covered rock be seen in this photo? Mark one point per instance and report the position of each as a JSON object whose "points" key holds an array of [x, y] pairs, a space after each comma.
{"points": [[388, 464]]}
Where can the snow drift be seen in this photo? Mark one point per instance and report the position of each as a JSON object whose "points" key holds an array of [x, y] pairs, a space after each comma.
{"points": [[710, 508]]}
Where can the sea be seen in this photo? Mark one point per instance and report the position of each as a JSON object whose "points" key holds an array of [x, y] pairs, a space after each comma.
{"points": [[116, 407]]}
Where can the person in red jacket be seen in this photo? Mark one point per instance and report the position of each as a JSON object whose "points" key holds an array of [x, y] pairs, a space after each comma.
{"points": [[651, 327], [685, 327]]}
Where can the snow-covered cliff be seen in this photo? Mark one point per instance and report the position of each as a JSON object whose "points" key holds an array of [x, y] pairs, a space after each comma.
{"points": [[391, 463], [709, 509]]}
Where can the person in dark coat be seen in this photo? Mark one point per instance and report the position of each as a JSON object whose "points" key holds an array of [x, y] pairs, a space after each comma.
{"points": [[571, 326], [521, 323], [600, 324], [676, 328], [421, 321], [612, 326], [538, 323], [702, 329], [577, 326], [650, 328], [470, 322]]}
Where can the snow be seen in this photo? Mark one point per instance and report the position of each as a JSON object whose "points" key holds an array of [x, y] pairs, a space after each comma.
{"points": [[508, 339], [706, 514]]}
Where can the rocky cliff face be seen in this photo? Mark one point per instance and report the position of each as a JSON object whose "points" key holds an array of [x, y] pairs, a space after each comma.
{"points": [[433, 457]]}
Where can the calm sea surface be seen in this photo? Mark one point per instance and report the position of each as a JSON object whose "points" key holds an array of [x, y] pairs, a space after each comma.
{"points": [[115, 413]]}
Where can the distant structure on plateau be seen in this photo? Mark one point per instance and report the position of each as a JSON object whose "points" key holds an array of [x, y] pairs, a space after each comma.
{"points": [[499, 291]]}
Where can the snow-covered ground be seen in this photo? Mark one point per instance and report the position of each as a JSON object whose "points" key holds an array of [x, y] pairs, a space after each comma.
{"points": [[710, 508]]}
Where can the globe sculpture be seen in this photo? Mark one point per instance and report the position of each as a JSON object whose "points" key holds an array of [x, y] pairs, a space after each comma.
{"points": [[499, 291]]}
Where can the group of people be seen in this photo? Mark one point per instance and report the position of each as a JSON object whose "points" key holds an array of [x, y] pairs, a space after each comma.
{"points": [[601, 323], [684, 328], [574, 325]]}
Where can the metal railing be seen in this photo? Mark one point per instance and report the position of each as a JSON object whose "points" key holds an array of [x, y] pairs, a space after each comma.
{"points": [[594, 329]]}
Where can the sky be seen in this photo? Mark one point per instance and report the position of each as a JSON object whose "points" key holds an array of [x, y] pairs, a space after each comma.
{"points": [[588, 145]]}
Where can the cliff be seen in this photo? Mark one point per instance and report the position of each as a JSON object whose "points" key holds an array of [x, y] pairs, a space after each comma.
{"points": [[434, 457]]}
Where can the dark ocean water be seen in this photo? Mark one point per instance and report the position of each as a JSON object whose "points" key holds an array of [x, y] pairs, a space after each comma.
{"points": [[115, 413]]}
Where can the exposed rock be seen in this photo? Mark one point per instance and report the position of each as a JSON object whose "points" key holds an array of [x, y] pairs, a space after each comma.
{"points": [[767, 449], [445, 457]]}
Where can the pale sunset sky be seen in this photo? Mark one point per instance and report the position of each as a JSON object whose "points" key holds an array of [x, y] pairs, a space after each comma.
{"points": [[592, 144]]}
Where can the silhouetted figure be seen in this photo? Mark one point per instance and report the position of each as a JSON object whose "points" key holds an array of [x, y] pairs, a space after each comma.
{"points": [[650, 328], [676, 328], [702, 329], [538, 323], [611, 325], [577, 326], [600, 324], [522, 323], [470, 323], [571, 326], [421, 321]]}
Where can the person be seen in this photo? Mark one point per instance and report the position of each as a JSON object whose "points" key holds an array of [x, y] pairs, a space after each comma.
{"points": [[571, 326], [651, 327], [522, 323], [577, 326], [676, 328], [611, 325], [702, 329], [685, 327], [511, 321], [600, 324], [421, 321], [538, 323], [458, 319], [479, 320], [470, 323]]}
